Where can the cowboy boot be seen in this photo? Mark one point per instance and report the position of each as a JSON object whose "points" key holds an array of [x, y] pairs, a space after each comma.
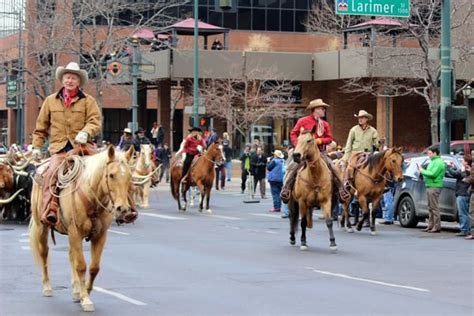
{"points": [[50, 216]]}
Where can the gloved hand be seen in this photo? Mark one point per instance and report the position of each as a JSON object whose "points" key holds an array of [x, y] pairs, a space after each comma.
{"points": [[81, 137], [199, 148], [37, 155], [319, 141]]}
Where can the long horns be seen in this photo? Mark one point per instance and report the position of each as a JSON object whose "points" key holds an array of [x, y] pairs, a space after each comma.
{"points": [[11, 198]]}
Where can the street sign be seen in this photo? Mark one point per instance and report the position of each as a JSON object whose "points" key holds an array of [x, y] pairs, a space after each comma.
{"points": [[12, 89], [393, 8]]}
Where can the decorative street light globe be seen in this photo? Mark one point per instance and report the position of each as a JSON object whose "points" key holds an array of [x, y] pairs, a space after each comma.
{"points": [[466, 91]]}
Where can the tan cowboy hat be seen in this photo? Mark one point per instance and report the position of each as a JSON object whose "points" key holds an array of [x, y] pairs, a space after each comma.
{"points": [[72, 68], [127, 130], [316, 103], [278, 153], [364, 113]]}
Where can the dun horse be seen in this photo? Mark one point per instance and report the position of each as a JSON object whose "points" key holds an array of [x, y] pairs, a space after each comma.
{"points": [[202, 174], [313, 187], [87, 209], [370, 176], [143, 172]]}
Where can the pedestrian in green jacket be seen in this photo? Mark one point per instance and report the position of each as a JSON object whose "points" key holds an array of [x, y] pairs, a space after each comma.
{"points": [[434, 176]]}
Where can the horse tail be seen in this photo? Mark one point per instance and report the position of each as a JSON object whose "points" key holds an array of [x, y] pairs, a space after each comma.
{"points": [[35, 245], [172, 186]]}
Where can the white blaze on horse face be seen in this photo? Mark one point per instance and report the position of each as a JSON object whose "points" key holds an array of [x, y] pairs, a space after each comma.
{"points": [[123, 170]]}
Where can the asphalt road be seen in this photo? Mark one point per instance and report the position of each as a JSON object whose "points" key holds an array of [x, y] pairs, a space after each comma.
{"points": [[238, 261]]}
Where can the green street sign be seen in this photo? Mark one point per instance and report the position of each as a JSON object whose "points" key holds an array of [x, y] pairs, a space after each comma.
{"points": [[12, 89], [393, 8]]}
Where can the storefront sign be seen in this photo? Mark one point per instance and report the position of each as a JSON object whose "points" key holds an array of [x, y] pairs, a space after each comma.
{"points": [[393, 8], [12, 89]]}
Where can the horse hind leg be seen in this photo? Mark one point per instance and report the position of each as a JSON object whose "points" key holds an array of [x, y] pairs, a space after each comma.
{"points": [[375, 206], [40, 249], [365, 212], [208, 198]]}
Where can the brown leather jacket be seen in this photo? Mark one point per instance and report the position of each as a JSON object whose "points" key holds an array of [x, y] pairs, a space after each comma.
{"points": [[62, 124]]}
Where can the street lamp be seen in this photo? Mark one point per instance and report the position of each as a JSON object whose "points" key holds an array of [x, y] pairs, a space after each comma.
{"points": [[135, 72], [466, 92]]}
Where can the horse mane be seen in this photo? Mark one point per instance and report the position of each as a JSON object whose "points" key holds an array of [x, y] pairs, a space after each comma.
{"points": [[94, 166], [375, 159]]}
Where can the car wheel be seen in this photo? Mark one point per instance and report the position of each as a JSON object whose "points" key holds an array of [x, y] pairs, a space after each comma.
{"points": [[406, 212]]}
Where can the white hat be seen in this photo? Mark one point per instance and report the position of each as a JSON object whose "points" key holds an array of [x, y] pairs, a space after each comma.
{"points": [[278, 153], [74, 69], [127, 130], [364, 113]]}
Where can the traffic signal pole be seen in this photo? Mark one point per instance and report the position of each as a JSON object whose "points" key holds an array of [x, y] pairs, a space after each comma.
{"points": [[446, 70], [196, 67]]}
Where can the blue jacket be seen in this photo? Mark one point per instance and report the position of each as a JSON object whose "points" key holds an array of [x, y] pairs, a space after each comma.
{"points": [[275, 168]]}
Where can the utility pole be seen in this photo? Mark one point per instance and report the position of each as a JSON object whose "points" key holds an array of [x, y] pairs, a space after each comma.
{"points": [[21, 100], [134, 125], [196, 66], [446, 70]]}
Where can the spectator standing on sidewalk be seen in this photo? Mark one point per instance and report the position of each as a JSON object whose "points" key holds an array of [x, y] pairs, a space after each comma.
{"points": [[164, 156], [470, 180], [462, 195], [275, 178], [245, 167], [258, 163], [227, 154], [434, 177]]}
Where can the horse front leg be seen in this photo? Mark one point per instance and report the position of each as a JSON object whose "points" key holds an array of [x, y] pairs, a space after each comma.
{"points": [[79, 265], [184, 191], [304, 222], [328, 217], [208, 198], [294, 214], [97, 246], [40, 249], [76, 289], [345, 217], [365, 211], [146, 194], [375, 206]]}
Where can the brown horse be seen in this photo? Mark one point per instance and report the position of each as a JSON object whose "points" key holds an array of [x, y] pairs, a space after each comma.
{"points": [[201, 173], [313, 187], [87, 209], [370, 176]]}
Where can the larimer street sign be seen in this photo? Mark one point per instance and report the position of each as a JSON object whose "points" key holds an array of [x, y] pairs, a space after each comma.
{"points": [[394, 8]]}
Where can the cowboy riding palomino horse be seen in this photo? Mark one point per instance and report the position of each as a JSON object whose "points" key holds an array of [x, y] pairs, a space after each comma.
{"points": [[370, 174], [87, 208], [201, 174], [313, 187]]}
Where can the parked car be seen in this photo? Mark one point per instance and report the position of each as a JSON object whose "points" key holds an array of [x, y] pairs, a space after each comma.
{"points": [[410, 200]]}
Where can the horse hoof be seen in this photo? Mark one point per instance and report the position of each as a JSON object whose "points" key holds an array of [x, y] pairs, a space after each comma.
{"points": [[89, 307], [48, 292], [209, 211], [359, 228], [333, 248], [292, 242], [76, 297], [303, 247], [373, 233], [200, 210], [350, 230]]}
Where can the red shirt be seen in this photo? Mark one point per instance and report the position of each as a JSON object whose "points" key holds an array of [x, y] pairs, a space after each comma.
{"points": [[308, 122], [190, 146]]}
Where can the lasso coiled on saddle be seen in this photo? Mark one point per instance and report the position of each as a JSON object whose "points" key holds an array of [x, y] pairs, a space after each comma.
{"points": [[68, 172]]}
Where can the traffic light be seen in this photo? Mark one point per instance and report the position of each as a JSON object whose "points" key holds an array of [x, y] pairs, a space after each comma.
{"points": [[204, 121]]}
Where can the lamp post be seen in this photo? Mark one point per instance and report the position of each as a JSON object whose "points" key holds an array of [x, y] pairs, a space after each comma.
{"points": [[446, 87], [466, 92], [134, 41], [196, 66]]}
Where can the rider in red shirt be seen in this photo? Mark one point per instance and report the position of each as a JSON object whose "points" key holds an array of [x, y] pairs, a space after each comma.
{"points": [[194, 145], [322, 137]]}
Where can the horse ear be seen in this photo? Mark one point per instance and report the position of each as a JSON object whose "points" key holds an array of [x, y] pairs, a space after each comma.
{"points": [[129, 153], [400, 149], [111, 152]]}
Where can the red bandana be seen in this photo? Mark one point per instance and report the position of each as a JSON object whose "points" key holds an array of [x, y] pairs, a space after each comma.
{"points": [[69, 96]]}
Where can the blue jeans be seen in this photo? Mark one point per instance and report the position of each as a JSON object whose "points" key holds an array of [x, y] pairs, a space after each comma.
{"points": [[389, 207], [284, 209], [275, 187], [462, 203], [227, 168]]}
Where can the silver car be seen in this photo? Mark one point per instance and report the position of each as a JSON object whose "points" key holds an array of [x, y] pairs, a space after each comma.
{"points": [[410, 200]]}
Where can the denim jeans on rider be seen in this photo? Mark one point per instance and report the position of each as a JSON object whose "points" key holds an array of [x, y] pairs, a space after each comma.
{"points": [[462, 203], [228, 166], [388, 214], [275, 187]]}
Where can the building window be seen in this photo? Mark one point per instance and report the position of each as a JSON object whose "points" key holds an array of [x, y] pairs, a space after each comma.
{"points": [[273, 20], [244, 20], [230, 20], [258, 20], [287, 20]]}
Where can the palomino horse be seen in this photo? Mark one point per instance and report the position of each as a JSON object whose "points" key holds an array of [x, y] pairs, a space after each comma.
{"points": [[313, 187], [87, 209], [370, 176], [142, 174], [201, 174]]}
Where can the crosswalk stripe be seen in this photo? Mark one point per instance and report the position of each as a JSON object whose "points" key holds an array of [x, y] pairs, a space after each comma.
{"points": [[163, 216]]}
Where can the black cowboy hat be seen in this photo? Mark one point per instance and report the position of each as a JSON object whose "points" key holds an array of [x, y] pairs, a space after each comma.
{"points": [[139, 130], [197, 129]]}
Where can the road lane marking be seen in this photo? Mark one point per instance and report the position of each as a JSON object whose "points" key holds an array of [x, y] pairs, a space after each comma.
{"points": [[119, 296], [163, 216], [25, 247], [266, 215], [117, 232], [25, 234], [225, 217], [24, 240], [345, 276]]}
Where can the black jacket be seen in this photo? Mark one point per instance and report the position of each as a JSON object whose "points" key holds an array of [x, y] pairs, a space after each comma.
{"points": [[462, 188], [259, 166]]}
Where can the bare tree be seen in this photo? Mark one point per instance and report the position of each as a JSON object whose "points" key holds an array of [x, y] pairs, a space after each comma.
{"points": [[245, 101], [423, 26]]}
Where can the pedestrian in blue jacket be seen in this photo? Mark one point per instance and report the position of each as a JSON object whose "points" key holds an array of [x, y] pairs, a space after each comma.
{"points": [[275, 178]]}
